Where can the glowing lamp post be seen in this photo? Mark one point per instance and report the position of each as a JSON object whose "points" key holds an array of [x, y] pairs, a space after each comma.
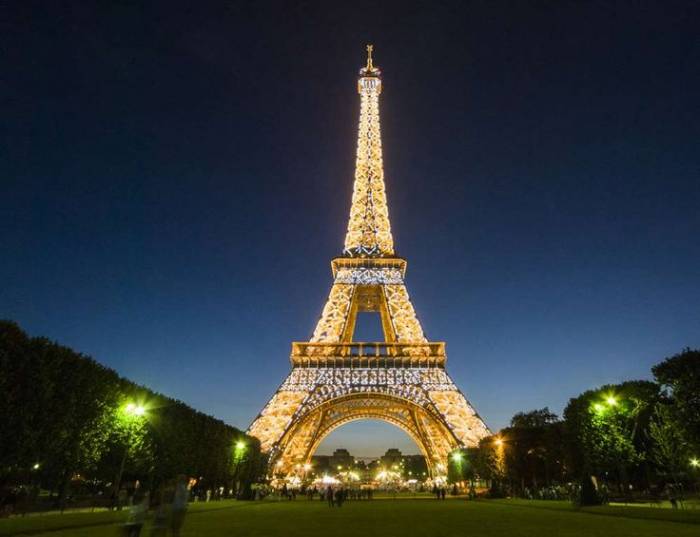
{"points": [[131, 411], [608, 403], [239, 449]]}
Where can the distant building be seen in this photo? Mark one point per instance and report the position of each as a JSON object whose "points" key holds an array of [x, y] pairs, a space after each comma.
{"points": [[391, 458], [410, 466], [341, 457], [320, 464]]}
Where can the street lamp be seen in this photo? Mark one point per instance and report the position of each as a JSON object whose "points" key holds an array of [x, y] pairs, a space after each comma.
{"points": [[238, 451], [695, 462], [132, 411]]}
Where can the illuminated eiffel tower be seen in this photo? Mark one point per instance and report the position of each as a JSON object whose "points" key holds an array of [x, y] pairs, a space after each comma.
{"points": [[336, 380]]}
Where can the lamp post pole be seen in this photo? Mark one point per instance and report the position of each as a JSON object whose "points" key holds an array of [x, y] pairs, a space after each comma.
{"points": [[238, 452], [131, 410]]}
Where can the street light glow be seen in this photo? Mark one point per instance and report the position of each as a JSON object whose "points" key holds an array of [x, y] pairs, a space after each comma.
{"points": [[36, 466], [695, 462], [457, 457], [240, 445], [611, 400], [135, 410], [498, 441]]}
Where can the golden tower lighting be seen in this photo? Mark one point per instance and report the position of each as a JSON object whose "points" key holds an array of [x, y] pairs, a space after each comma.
{"points": [[334, 379]]}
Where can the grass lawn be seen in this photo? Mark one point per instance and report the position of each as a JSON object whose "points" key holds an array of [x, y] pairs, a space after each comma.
{"points": [[405, 518]]}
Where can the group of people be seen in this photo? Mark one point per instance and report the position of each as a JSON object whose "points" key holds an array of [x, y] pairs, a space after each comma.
{"points": [[439, 492], [170, 505], [335, 497]]}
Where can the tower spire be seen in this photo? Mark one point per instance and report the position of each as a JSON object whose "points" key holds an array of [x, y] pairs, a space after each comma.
{"points": [[369, 230]]}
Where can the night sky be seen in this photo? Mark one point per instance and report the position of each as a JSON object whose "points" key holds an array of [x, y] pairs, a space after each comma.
{"points": [[175, 180]]}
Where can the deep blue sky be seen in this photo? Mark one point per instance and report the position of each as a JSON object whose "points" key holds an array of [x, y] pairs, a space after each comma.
{"points": [[176, 179]]}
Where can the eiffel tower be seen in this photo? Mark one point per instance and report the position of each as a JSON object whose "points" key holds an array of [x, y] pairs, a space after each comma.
{"points": [[336, 380]]}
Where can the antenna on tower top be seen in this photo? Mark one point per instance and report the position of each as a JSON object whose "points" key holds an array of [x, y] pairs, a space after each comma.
{"points": [[369, 57]]}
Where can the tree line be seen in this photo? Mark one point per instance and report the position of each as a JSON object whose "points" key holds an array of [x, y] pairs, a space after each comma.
{"points": [[637, 438], [69, 422]]}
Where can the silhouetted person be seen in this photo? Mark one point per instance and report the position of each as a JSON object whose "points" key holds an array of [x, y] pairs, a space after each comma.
{"points": [[179, 509], [339, 497], [137, 514]]}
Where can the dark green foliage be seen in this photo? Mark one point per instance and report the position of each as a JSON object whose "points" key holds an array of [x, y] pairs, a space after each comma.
{"points": [[488, 459], [528, 455], [65, 412], [534, 419], [670, 450], [607, 433], [460, 467], [680, 374], [533, 450]]}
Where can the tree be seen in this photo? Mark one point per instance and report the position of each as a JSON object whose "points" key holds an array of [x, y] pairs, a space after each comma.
{"points": [[607, 431], [670, 450], [63, 411], [534, 419], [460, 467], [532, 449], [680, 375]]}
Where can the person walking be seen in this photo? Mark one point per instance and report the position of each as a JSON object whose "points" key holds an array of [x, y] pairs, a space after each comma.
{"points": [[340, 496], [137, 514], [329, 495], [179, 509]]}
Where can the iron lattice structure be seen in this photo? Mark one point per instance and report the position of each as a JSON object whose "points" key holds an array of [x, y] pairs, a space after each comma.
{"points": [[335, 380]]}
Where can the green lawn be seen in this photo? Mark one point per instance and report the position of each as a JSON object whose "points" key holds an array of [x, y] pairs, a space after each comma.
{"points": [[401, 518]]}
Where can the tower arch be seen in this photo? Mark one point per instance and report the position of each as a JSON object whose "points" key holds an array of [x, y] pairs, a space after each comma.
{"points": [[422, 424]]}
